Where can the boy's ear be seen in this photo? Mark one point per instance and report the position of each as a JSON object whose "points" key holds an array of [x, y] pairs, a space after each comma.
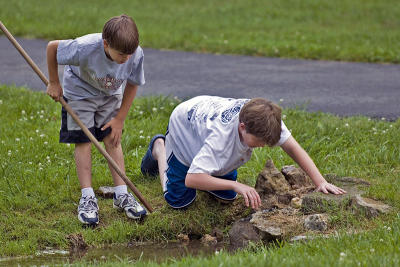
{"points": [[242, 126], [105, 43]]}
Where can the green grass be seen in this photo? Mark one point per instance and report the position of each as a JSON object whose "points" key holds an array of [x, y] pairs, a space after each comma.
{"points": [[39, 189], [350, 30]]}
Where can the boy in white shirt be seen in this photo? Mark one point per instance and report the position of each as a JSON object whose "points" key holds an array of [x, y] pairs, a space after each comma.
{"points": [[209, 137]]}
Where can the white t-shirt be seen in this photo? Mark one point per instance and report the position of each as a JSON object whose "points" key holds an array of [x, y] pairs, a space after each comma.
{"points": [[89, 72], [203, 135]]}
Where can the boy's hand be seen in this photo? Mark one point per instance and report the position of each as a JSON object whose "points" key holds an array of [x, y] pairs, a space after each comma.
{"points": [[55, 91], [327, 188], [116, 130], [249, 194]]}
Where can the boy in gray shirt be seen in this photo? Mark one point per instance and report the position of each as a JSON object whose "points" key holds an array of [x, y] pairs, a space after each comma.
{"points": [[101, 76]]}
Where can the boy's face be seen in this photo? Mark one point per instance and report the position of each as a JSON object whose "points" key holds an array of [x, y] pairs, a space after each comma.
{"points": [[249, 139], [115, 55]]}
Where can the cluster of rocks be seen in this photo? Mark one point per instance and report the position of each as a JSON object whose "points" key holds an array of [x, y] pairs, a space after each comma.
{"points": [[290, 206]]}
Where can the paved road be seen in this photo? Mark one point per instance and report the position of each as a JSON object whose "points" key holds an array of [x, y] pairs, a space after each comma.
{"points": [[337, 87]]}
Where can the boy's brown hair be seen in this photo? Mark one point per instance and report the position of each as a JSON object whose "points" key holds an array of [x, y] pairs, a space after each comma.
{"points": [[121, 34], [262, 118]]}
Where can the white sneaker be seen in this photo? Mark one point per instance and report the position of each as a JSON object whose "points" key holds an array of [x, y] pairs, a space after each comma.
{"points": [[88, 210], [128, 203]]}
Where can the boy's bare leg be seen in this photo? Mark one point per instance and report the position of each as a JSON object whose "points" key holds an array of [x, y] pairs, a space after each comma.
{"points": [[83, 161], [159, 154], [116, 154]]}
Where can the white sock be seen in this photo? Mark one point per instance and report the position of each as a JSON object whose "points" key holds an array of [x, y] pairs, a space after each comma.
{"points": [[87, 192], [120, 190]]}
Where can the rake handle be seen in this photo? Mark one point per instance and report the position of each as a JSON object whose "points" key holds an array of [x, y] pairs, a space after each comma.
{"points": [[76, 119]]}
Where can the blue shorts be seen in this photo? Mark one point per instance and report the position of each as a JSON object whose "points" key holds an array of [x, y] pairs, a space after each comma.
{"points": [[179, 196]]}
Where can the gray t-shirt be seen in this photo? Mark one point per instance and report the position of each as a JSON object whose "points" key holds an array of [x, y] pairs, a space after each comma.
{"points": [[203, 135], [88, 71]]}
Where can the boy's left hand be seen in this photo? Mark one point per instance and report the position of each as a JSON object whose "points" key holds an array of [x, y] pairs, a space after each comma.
{"points": [[327, 188], [116, 130]]}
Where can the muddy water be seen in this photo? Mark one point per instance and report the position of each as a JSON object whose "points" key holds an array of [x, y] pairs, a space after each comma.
{"points": [[140, 251]]}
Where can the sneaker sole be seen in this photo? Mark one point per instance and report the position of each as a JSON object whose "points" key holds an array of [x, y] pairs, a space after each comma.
{"points": [[87, 223], [130, 216]]}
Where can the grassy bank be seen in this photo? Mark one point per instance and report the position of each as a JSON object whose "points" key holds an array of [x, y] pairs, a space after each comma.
{"points": [[350, 30], [39, 189]]}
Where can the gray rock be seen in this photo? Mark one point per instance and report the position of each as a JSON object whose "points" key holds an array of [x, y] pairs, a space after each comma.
{"points": [[296, 177], [316, 222], [218, 234], [296, 202], [208, 240], [241, 233], [268, 229], [106, 191], [301, 238], [371, 208], [271, 181], [317, 202]]}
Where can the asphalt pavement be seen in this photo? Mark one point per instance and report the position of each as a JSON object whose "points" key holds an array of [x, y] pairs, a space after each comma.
{"points": [[342, 88]]}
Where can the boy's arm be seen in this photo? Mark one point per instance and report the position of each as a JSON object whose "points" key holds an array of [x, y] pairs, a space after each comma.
{"points": [[54, 89], [297, 153], [203, 181], [117, 123]]}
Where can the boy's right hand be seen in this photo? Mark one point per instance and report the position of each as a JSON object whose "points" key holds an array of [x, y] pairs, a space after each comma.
{"points": [[249, 194], [55, 91]]}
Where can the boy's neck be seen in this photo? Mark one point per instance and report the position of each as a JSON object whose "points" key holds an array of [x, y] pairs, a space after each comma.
{"points": [[107, 54]]}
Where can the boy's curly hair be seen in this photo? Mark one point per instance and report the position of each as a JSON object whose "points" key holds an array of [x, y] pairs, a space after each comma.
{"points": [[262, 118], [121, 34]]}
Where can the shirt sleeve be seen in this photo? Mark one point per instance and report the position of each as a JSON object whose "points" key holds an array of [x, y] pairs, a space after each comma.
{"points": [[137, 74], [285, 134], [68, 52], [205, 161]]}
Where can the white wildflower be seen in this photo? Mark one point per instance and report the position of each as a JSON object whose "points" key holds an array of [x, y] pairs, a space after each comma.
{"points": [[347, 125], [342, 254], [40, 168], [37, 131], [161, 108], [154, 109], [68, 144], [140, 112], [148, 137], [23, 111], [141, 137], [225, 41], [383, 118], [17, 139], [42, 135], [47, 157], [1, 101], [391, 126], [2, 141], [283, 116], [41, 116], [372, 250], [45, 143], [30, 162], [31, 117], [42, 111], [141, 131], [281, 100]]}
